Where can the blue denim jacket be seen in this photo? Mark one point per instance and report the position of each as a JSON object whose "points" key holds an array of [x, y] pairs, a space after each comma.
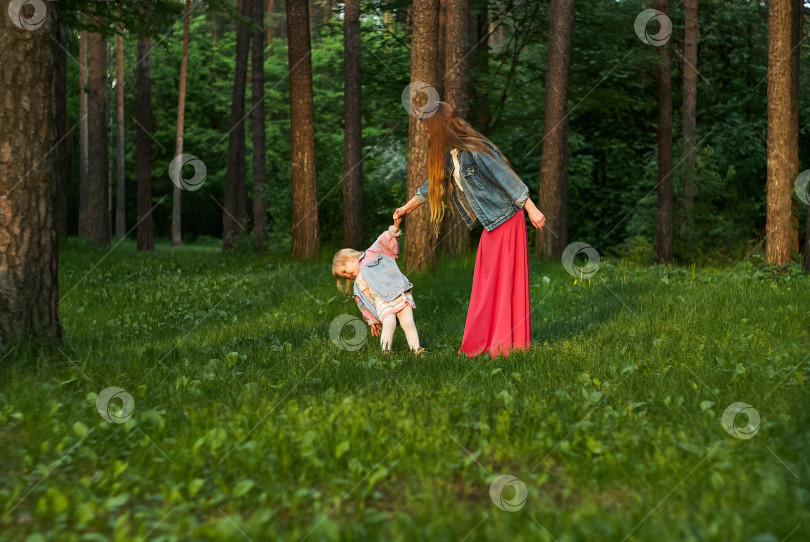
{"points": [[493, 193], [384, 277]]}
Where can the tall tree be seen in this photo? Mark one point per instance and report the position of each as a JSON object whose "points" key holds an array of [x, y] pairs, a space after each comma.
{"points": [[665, 182], [83, 134], [177, 193], [98, 203], [552, 240], [29, 286], [798, 38], [457, 94], [143, 153], [120, 200], [420, 243], [302, 133], [793, 143], [479, 63], [352, 139], [258, 124], [60, 110], [234, 212], [690, 75], [777, 222], [271, 23], [441, 46]]}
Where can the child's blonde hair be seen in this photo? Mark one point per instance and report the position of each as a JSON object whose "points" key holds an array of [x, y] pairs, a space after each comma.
{"points": [[343, 255]]}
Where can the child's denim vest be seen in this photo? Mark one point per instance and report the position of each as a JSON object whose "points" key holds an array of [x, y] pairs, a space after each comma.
{"points": [[384, 277]]}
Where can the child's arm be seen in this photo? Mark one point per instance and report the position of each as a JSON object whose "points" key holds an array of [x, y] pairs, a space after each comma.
{"points": [[387, 241], [370, 319]]}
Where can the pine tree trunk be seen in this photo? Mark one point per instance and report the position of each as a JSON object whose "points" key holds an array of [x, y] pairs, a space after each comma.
{"points": [[420, 242], [690, 75], [457, 94], [553, 195], [479, 66], [665, 182], [29, 286], [120, 199], [441, 49], [177, 192], [83, 135], [60, 110], [270, 23], [143, 154], [235, 207], [793, 142], [258, 126], [778, 228], [302, 133], [352, 140], [98, 168]]}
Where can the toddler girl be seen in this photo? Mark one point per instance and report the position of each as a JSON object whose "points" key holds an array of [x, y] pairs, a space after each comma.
{"points": [[382, 292]]}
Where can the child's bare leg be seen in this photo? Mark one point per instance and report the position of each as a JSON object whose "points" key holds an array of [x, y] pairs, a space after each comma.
{"points": [[409, 327], [389, 324]]}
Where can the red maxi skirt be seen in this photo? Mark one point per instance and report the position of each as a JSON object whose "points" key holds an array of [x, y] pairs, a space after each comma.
{"points": [[498, 319]]}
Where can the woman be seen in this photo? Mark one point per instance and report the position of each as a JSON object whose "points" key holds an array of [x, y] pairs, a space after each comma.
{"points": [[484, 190]]}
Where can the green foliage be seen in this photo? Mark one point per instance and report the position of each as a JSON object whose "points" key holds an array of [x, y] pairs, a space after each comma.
{"points": [[250, 422], [611, 124]]}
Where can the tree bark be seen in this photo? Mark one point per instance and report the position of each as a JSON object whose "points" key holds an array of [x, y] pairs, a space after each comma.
{"points": [[665, 182], [29, 286], [270, 23], [441, 49], [352, 140], [457, 94], [479, 65], [420, 243], [98, 168], [690, 75], [302, 133], [235, 206], [120, 199], [83, 134], [177, 192], [553, 195], [258, 126], [793, 142], [143, 154], [60, 110], [777, 223]]}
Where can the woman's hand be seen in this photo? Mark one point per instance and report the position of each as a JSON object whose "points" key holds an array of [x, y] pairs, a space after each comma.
{"points": [[401, 212], [537, 218], [375, 330], [406, 209]]}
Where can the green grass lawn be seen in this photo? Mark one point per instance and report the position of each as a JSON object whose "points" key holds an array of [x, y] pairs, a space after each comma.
{"points": [[251, 423]]}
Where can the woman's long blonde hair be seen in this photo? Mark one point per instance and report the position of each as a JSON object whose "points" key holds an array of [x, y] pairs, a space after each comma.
{"points": [[447, 129]]}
